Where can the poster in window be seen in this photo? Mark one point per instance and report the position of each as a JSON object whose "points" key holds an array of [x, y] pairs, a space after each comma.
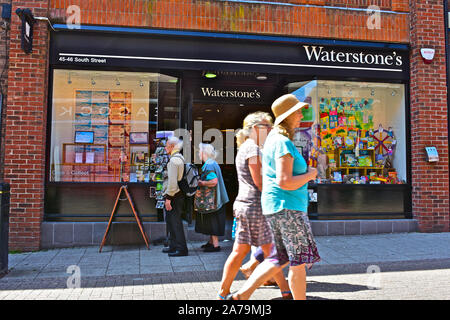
{"points": [[139, 138], [90, 156], [100, 97], [117, 96], [84, 137], [83, 96]]}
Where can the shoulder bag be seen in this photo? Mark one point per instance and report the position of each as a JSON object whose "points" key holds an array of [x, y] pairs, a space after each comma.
{"points": [[205, 200]]}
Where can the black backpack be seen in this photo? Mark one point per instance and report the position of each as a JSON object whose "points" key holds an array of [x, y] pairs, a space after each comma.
{"points": [[189, 182]]}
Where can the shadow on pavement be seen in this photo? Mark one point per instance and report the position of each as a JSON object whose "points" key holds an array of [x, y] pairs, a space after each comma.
{"points": [[314, 286]]}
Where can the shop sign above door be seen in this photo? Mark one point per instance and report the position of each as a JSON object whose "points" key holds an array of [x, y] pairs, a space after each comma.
{"points": [[241, 94], [209, 92]]}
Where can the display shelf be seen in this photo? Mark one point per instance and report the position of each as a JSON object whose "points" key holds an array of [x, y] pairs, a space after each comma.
{"points": [[347, 170], [338, 153], [83, 145]]}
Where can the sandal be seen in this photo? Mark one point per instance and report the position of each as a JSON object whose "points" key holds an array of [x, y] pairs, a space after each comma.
{"points": [[287, 295], [230, 297]]}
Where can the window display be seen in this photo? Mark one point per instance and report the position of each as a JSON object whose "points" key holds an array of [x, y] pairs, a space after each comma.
{"points": [[104, 124], [354, 132], [158, 167]]}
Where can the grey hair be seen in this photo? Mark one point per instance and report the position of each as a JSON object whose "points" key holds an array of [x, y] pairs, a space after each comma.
{"points": [[174, 141], [208, 150]]}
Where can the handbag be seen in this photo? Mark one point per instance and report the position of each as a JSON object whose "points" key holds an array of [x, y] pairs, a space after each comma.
{"points": [[205, 198]]}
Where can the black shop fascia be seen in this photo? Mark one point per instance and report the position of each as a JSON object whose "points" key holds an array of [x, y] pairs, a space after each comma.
{"points": [[217, 79]]}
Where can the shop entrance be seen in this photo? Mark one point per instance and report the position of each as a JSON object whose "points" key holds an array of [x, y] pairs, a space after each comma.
{"points": [[225, 117]]}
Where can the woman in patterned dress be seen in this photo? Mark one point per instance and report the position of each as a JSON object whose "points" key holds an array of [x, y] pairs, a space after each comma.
{"points": [[285, 203], [252, 228]]}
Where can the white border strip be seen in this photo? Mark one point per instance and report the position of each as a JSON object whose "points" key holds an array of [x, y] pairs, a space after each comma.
{"points": [[227, 61]]}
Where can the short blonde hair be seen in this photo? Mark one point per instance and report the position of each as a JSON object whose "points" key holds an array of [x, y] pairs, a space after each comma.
{"points": [[208, 150], [249, 122]]}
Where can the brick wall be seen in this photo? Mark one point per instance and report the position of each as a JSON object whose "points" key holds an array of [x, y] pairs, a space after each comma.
{"points": [[290, 17], [429, 122], [24, 163], [4, 43]]}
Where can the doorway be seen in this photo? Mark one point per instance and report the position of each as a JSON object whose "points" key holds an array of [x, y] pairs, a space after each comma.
{"points": [[225, 117]]}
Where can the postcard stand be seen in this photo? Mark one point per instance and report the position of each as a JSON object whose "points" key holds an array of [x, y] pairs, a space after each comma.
{"points": [[125, 188]]}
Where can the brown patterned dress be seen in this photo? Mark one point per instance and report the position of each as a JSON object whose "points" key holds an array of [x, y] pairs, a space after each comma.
{"points": [[251, 226]]}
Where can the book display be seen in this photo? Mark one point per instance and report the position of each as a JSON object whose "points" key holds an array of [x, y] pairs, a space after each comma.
{"points": [[158, 168], [348, 147], [104, 149]]}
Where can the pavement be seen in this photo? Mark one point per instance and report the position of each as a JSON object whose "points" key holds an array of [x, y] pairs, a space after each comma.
{"points": [[382, 266]]}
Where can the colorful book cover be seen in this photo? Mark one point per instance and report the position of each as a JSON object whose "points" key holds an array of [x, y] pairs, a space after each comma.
{"points": [[83, 96], [100, 96]]}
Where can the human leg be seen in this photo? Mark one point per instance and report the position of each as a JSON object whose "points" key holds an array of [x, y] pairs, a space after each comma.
{"points": [[262, 273], [215, 241], [278, 278], [256, 258], [297, 281], [231, 267], [169, 227], [177, 236]]}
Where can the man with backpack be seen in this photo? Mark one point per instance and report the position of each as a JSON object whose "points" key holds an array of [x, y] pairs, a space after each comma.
{"points": [[175, 199]]}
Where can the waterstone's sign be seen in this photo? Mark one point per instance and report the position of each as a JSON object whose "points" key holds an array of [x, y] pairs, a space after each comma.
{"points": [[320, 54], [256, 94], [316, 58], [209, 92]]}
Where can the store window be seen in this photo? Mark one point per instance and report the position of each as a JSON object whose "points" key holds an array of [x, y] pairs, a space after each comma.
{"points": [[354, 132], [104, 124]]}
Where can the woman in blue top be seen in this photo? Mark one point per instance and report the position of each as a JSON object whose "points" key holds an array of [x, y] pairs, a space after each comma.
{"points": [[284, 203], [213, 223]]}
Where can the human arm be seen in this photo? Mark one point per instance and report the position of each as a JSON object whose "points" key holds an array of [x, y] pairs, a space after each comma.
{"points": [[209, 183], [284, 177], [254, 165], [168, 205]]}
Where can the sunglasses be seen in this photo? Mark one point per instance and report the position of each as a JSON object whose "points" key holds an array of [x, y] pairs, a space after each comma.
{"points": [[263, 125]]}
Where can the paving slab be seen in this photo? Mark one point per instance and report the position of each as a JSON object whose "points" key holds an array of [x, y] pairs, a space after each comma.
{"points": [[121, 272]]}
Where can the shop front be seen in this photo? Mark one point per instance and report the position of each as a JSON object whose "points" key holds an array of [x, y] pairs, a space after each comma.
{"points": [[114, 92]]}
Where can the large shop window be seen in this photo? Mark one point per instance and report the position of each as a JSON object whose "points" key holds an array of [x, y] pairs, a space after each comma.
{"points": [[354, 132], [104, 124]]}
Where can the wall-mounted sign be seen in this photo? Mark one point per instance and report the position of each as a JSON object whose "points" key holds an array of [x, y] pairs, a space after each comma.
{"points": [[427, 54], [432, 154], [28, 21]]}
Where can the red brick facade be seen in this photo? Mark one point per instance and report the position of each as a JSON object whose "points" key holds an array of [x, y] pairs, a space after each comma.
{"points": [[26, 122], [421, 25], [4, 45], [290, 17], [429, 122]]}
